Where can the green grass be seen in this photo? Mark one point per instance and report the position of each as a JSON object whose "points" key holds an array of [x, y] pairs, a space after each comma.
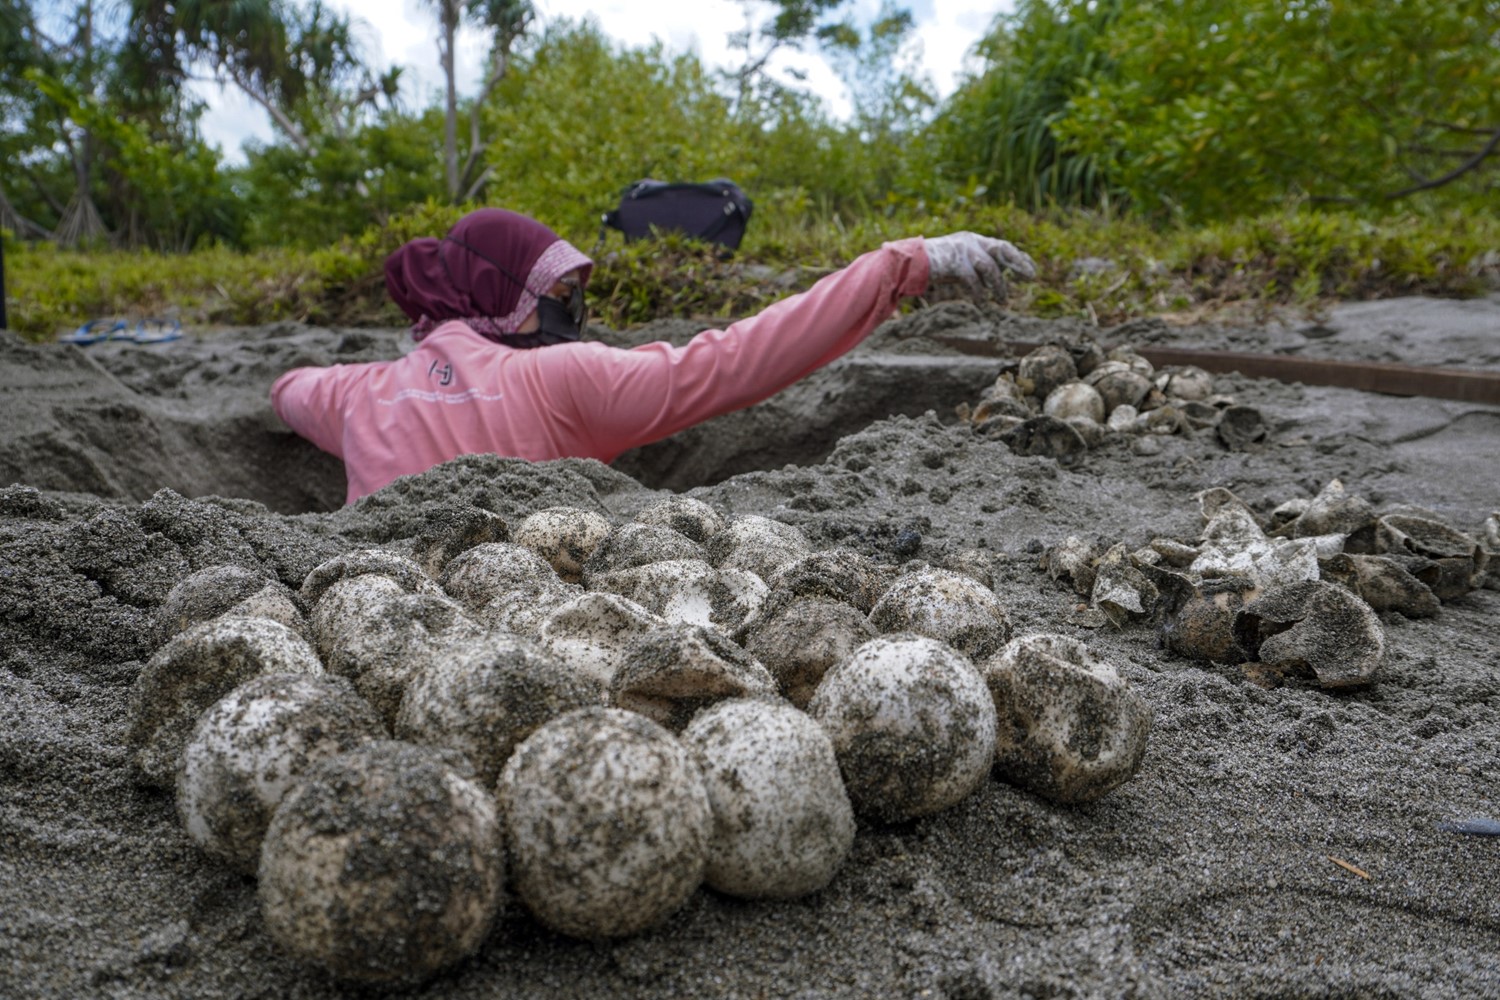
{"points": [[1241, 269]]}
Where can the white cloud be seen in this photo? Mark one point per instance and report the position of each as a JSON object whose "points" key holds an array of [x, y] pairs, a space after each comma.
{"points": [[404, 32]]}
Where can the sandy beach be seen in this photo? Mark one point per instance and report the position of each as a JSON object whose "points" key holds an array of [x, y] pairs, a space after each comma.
{"points": [[1284, 841]]}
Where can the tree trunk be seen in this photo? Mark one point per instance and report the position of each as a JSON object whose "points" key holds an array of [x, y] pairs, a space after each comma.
{"points": [[450, 14]]}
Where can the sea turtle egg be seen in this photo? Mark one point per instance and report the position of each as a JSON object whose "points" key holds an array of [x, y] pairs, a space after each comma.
{"points": [[912, 725], [383, 865], [782, 820], [607, 823], [196, 669], [1046, 368], [632, 544], [393, 565], [757, 544], [1074, 399], [944, 605], [806, 637], [693, 518], [251, 745], [1070, 728], [488, 695], [234, 591], [476, 577], [565, 537]]}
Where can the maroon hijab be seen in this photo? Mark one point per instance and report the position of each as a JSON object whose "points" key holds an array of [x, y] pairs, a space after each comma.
{"points": [[488, 271]]}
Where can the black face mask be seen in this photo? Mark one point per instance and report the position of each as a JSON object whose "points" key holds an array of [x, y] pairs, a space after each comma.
{"points": [[558, 323]]}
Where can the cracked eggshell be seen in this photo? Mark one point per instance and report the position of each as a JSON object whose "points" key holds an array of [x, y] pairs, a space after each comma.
{"points": [[382, 562], [1070, 728], [1454, 562], [803, 639], [947, 606], [1185, 382], [693, 518], [565, 537], [233, 591], [757, 544], [1314, 626], [1072, 559], [1333, 512], [383, 865], [1046, 368], [671, 672], [248, 749], [477, 577], [912, 726], [1074, 400], [382, 639], [1382, 583], [1198, 619], [486, 696], [782, 822], [607, 823], [194, 670], [688, 591], [592, 633]]}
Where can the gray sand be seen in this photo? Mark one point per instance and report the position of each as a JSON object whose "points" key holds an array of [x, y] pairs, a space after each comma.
{"points": [[1212, 873]]}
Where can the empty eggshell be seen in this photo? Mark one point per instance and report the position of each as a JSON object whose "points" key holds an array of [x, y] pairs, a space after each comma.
{"points": [[697, 520], [592, 633], [912, 726], [565, 537], [1185, 382], [1455, 562], [803, 639], [383, 865], [196, 669], [944, 605], [1314, 626], [250, 746], [485, 696], [672, 671], [1382, 583], [1333, 511], [1070, 728], [607, 823], [782, 822], [1118, 384], [1198, 619], [757, 544], [1073, 560]]}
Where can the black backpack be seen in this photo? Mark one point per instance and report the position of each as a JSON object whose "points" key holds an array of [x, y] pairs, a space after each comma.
{"points": [[715, 211]]}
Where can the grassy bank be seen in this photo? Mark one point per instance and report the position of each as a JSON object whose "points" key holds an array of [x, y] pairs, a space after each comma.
{"points": [[1101, 269]]}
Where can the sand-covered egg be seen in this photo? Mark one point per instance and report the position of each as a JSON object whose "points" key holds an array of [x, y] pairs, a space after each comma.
{"points": [[837, 574], [688, 516], [235, 591], [392, 565], [912, 725], [1118, 384], [380, 637], [670, 672], [607, 823], [251, 745], [196, 669], [941, 604], [450, 532], [383, 865], [688, 591], [1070, 728], [757, 544], [565, 537], [632, 544], [592, 633], [782, 822], [485, 696], [1185, 382], [477, 576], [803, 638], [1072, 400]]}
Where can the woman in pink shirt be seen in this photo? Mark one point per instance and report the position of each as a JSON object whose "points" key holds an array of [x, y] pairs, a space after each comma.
{"points": [[497, 307]]}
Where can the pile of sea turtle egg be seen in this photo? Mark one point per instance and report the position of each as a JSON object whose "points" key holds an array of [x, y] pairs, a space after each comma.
{"points": [[1063, 398], [593, 719]]}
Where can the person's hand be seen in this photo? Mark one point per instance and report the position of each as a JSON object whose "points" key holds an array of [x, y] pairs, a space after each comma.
{"points": [[967, 265]]}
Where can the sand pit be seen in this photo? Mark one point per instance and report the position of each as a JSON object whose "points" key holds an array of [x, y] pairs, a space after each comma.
{"points": [[1286, 841]]}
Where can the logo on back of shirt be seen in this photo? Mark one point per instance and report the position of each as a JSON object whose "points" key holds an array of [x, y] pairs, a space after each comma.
{"points": [[443, 373]]}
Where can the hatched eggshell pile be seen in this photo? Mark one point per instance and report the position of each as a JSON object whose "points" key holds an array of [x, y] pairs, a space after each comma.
{"points": [[537, 683], [1060, 400]]}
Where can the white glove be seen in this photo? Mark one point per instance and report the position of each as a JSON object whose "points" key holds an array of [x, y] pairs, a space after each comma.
{"points": [[971, 265]]}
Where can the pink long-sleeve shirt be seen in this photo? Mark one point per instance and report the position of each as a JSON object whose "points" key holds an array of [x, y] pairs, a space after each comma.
{"points": [[458, 393]]}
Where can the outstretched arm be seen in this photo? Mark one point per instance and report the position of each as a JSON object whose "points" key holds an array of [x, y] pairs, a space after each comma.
{"points": [[310, 402]]}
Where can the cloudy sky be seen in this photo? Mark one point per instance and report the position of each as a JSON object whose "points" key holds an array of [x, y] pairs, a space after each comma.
{"points": [[405, 31]]}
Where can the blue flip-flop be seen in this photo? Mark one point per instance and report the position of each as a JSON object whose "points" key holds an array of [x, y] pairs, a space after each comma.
{"points": [[157, 330], [96, 330]]}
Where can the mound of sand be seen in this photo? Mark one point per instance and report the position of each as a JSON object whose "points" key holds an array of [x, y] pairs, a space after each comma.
{"points": [[1225, 868]]}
